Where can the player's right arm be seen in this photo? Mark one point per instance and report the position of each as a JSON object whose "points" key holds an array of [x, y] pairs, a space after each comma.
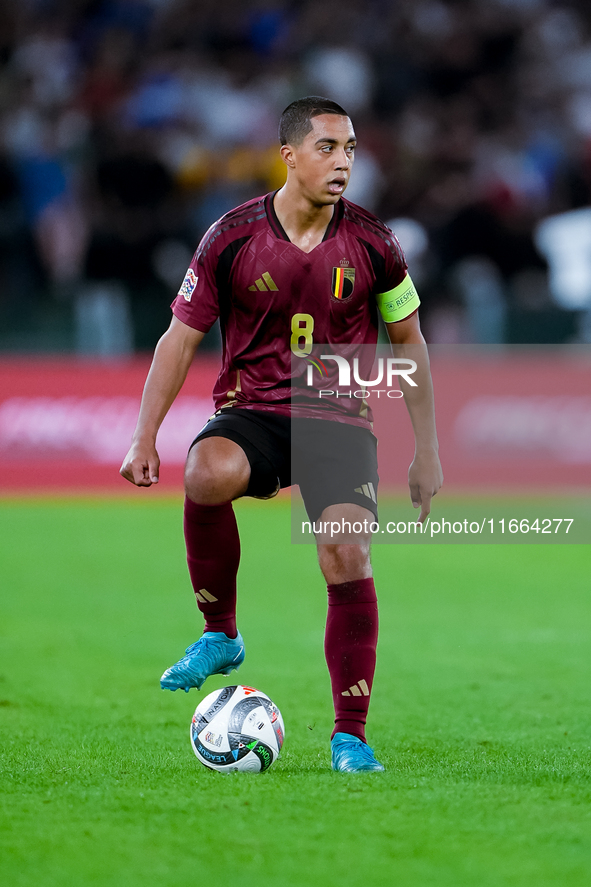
{"points": [[170, 365]]}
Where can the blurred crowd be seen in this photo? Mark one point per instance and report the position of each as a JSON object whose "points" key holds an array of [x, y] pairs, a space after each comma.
{"points": [[129, 126]]}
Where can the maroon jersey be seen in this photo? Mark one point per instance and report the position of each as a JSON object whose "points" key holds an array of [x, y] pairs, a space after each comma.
{"points": [[274, 300]]}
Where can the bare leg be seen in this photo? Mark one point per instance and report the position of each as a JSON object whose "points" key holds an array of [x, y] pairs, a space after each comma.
{"points": [[217, 470]]}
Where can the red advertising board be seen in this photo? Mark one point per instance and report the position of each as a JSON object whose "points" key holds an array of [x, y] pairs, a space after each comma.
{"points": [[507, 421], [65, 425]]}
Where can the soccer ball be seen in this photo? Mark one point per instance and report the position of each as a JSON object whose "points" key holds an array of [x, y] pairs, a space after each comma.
{"points": [[237, 728]]}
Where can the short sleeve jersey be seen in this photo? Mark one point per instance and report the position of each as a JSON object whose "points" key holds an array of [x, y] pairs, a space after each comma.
{"points": [[272, 298]]}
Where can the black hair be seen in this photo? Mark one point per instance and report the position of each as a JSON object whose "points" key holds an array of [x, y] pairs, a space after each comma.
{"points": [[295, 122]]}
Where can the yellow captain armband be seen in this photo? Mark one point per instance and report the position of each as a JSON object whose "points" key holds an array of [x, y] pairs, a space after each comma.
{"points": [[400, 302]]}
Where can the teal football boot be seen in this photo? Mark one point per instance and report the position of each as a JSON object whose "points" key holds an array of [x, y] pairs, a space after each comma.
{"points": [[352, 755], [213, 653]]}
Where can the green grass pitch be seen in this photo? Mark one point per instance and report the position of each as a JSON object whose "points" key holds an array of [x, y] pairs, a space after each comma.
{"points": [[481, 712]]}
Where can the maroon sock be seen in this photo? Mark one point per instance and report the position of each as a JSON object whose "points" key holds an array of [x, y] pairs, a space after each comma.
{"points": [[213, 555], [350, 649]]}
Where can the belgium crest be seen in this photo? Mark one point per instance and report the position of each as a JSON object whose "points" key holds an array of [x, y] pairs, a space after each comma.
{"points": [[343, 281]]}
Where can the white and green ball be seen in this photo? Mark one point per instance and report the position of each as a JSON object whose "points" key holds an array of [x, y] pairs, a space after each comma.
{"points": [[237, 729]]}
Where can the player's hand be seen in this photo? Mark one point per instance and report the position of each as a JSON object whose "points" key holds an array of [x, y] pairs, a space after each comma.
{"points": [[141, 466], [424, 480]]}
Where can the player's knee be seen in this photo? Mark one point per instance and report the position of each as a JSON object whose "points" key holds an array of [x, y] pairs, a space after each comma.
{"points": [[207, 485], [216, 472], [344, 563]]}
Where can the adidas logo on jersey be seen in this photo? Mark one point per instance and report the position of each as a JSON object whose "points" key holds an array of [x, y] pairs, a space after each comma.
{"points": [[264, 283], [367, 490], [358, 689]]}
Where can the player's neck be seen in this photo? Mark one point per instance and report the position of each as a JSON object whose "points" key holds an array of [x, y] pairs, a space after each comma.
{"points": [[304, 223]]}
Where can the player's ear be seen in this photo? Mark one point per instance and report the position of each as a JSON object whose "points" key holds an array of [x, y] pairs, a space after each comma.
{"points": [[287, 154]]}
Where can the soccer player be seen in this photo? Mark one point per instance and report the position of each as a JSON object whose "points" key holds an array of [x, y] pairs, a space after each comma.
{"points": [[295, 267]]}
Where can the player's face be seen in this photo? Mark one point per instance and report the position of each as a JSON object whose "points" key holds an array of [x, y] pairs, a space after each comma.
{"points": [[323, 161]]}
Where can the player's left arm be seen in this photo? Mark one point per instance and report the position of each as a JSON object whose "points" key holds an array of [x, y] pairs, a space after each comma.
{"points": [[424, 475]]}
